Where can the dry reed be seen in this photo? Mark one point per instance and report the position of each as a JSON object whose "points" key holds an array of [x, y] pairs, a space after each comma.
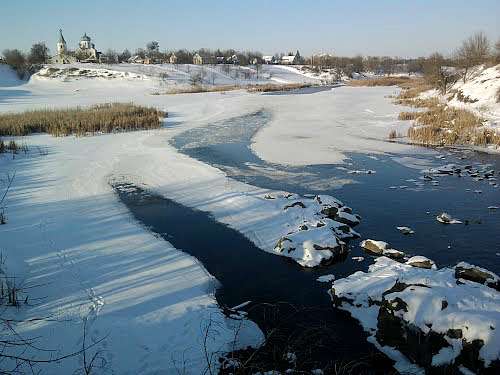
{"points": [[379, 81], [270, 87], [439, 124], [103, 118], [198, 89]]}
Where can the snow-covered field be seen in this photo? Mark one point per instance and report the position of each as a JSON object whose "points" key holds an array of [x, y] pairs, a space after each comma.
{"points": [[68, 233]]}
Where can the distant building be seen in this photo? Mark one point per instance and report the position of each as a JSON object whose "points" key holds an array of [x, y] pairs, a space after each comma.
{"points": [[233, 60], [173, 59], [63, 56], [220, 60], [136, 60], [291, 59], [197, 59], [86, 51], [269, 59], [255, 61]]}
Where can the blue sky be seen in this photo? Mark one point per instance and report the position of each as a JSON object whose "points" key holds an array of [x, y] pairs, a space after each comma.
{"points": [[383, 27]]}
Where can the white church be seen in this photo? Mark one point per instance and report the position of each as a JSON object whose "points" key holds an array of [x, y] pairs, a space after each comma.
{"points": [[86, 51]]}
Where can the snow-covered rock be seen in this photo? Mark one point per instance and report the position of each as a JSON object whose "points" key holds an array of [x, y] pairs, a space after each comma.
{"points": [[430, 316], [477, 274], [380, 248], [405, 230], [311, 248], [318, 239], [445, 218], [373, 246], [421, 262]]}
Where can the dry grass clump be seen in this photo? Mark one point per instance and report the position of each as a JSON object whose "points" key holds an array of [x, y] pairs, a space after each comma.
{"points": [[439, 124], [381, 81], [445, 126], [411, 89], [270, 87], [103, 118], [498, 95], [418, 102], [407, 116]]}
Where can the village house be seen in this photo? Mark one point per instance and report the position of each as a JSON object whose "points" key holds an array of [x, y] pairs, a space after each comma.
{"points": [[269, 59], [197, 59], [233, 60], [291, 59], [173, 59], [136, 59]]}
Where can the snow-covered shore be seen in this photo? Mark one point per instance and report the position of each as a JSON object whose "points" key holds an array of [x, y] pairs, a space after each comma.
{"points": [[433, 316]]}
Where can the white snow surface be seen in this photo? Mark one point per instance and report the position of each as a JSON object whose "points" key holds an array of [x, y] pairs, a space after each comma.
{"points": [[472, 307], [481, 87]]}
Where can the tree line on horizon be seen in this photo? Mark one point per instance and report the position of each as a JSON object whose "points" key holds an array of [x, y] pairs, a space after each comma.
{"points": [[475, 50]]}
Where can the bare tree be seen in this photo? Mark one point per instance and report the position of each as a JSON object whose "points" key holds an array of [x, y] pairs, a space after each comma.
{"points": [[16, 60], [124, 56], [258, 68], [39, 53], [497, 51], [473, 51], [195, 79]]}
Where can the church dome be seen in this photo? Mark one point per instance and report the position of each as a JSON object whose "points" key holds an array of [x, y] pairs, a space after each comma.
{"points": [[85, 38]]}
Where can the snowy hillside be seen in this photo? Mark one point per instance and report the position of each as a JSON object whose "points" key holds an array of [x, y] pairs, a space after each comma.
{"points": [[8, 76], [169, 77], [479, 93]]}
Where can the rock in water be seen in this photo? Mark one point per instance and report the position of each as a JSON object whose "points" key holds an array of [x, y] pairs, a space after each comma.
{"points": [[421, 262], [373, 246], [405, 230], [447, 219], [477, 274], [394, 254]]}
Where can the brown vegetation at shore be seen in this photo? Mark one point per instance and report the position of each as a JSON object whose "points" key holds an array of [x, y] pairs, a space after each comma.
{"points": [[270, 87], [198, 89], [380, 81], [439, 124], [103, 118]]}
